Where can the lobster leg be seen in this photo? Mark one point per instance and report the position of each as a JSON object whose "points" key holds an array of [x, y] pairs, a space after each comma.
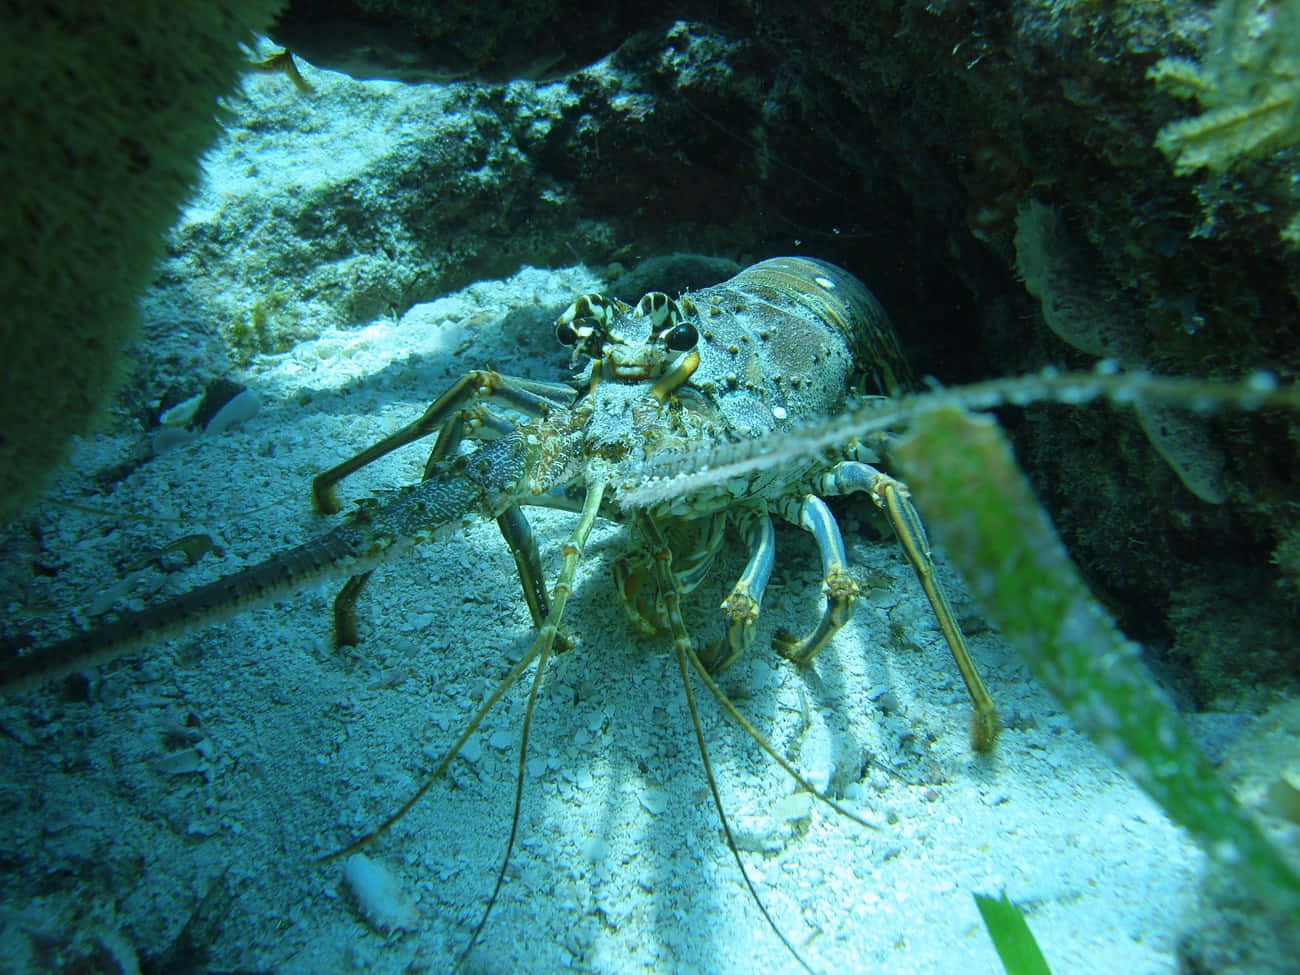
{"points": [[454, 416], [698, 540], [519, 537], [514, 528], [892, 496], [742, 605], [811, 513], [528, 563], [548, 633], [461, 402], [661, 564]]}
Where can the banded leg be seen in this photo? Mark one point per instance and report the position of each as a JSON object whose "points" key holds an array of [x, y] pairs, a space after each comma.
{"points": [[518, 536], [892, 496], [347, 625], [636, 580], [514, 529], [811, 514], [528, 396], [523, 546], [539, 651], [548, 632], [454, 416], [741, 606], [661, 564]]}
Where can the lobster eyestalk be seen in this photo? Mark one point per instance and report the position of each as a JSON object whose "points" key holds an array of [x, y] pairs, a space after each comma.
{"points": [[483, 483]]}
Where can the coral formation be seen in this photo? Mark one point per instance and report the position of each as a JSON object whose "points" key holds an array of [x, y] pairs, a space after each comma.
{"points": [[1248, 84]]}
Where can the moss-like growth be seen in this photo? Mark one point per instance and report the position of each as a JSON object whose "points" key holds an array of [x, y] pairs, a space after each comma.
{"points": [[981, 508], [1249, 85], [107, 108], [257, 331]]}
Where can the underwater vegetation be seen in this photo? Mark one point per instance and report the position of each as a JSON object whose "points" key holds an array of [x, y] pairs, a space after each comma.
{"points": [[1248, 86], [264, 329], [981, 507], [1011, 936]]}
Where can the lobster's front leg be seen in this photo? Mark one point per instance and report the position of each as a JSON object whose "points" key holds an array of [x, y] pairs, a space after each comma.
{"points": [[741, 607], [455, 416]]}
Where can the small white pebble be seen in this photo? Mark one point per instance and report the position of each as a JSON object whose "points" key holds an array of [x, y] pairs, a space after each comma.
{"points": [[472, 750], [380, 898], [241, 407], [654, 800], [184, 762], [595, 849]]}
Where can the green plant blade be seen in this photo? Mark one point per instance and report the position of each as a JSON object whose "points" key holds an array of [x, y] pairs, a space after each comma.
{"points": [[979, 505], [1011, 936]]}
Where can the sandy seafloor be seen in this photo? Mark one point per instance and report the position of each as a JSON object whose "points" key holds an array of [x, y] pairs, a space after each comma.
{"points": [[620, 865], [199, 781]]}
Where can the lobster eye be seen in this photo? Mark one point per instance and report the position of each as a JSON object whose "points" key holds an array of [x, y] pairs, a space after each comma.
{"points": [[566, 334], [573, 331], [682, 337]]}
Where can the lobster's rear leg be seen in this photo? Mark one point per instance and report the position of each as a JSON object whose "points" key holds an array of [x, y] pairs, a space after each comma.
{"points": [[347, 625], [811, 513], [741, 606], [523, 546], [892, 496]]}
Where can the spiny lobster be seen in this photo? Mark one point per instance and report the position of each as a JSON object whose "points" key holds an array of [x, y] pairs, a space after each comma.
{"points": [[784, 342]]}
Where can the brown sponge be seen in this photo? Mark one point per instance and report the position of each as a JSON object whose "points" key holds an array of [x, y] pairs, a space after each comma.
{"points": [[106, 109]]}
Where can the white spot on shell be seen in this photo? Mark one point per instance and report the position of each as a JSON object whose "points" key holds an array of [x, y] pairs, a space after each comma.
{"points": [[779, 412], [826, 283]]}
